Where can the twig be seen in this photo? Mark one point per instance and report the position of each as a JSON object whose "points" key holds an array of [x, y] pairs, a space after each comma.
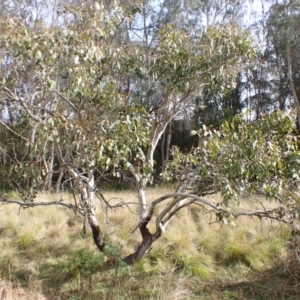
{"points": [[66, 100], [14, 132]]}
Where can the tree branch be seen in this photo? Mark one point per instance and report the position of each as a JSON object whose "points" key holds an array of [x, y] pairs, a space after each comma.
{"points": [[33, 204], [14, 132], [66, 100], [197, 198], [262, 214]]}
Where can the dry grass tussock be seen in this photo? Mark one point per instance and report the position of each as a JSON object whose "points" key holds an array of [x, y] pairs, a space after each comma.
{"points": [[10, 292], [46, 250], [164, 290]]}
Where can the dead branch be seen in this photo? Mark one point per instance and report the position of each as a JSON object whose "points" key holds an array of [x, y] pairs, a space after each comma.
{"points": [[268, 214], [25, 205]]}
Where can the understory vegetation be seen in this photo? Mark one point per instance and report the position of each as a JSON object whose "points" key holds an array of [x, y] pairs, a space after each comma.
{"points": [[51, 255]]}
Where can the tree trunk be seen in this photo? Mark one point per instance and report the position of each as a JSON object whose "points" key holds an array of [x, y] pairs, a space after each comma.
{"points": [[169, 137], [162, 148], [146, 244], [292, 86], [50, 168], [58, 182], [86, 185]]}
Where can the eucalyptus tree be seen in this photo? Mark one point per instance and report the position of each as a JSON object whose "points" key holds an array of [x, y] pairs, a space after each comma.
{"points": [[75, 90], [33, 12], [266, 82], [222, 12], [62, 84], [244, 158], [194, 18], [283, 46]]}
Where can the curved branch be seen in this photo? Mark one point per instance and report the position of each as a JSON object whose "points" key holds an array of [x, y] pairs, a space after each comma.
{"points": [[175, 211], [180, 196], [197, 198], [177, 198]]}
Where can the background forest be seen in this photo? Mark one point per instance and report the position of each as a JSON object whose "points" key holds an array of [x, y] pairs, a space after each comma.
{"points": [[148, 121]]}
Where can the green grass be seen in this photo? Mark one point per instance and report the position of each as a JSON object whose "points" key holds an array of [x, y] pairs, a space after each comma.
{"points": [[45, 251]]}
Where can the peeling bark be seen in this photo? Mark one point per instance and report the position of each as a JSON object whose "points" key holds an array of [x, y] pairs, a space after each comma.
{"points": [[86, 186], [98, 239]]}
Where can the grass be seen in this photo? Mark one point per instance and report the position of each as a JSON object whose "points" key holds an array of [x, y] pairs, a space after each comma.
{"points": [[8, 291], [45, 251]]}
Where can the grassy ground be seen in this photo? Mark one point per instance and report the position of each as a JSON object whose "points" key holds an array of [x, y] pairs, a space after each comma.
{"points": [[44, 250]]}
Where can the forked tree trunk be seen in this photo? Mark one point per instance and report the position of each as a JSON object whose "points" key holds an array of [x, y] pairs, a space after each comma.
{"points": [[146, 245], [149, 238]]}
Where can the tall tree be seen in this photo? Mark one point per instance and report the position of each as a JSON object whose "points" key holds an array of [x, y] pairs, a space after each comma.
{"points": [[283, 23], [79, 91]]}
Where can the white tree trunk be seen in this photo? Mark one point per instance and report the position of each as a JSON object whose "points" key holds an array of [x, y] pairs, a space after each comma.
{"points": [[86, 186]]}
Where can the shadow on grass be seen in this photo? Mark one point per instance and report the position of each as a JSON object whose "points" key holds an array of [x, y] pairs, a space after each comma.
{"points": [[281, 282], [85, 275]]}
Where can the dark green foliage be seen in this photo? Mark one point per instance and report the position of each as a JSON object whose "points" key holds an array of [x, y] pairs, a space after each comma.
{"points": [[83, 263], [260, 157]]}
